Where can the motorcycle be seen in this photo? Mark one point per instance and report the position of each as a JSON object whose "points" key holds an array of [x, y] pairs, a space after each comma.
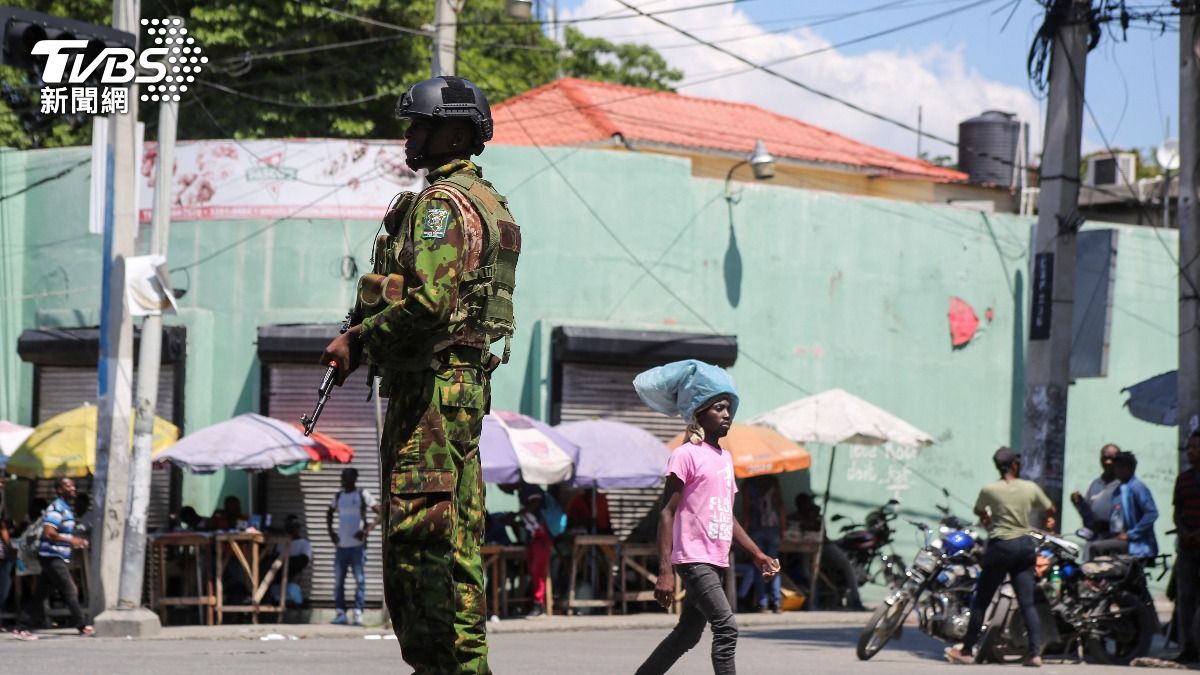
{"points": [[1103, 606], [862, 544], [938, 586]]}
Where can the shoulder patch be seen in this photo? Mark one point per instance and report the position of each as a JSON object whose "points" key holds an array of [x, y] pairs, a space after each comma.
{"points": [[434, 222]]}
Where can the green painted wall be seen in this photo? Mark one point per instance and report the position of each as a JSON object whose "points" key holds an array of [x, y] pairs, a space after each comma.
{"points": [[822, 291]]}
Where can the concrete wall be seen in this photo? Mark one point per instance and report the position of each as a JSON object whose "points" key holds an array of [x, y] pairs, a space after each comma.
{"points": [[822, 290]]}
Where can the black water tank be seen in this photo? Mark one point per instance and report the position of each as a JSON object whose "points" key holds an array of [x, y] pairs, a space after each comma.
{"points": [[987, 147]]}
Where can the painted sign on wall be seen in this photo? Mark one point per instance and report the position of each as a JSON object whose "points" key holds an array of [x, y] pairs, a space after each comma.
{"points": [[280, 178]]}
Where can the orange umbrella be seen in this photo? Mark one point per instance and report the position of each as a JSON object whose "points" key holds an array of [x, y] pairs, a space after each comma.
{"points": [[327, 448], [757, 451]]}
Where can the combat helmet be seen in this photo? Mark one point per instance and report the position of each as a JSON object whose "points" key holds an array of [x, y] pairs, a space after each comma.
{"points": [[447, 97]]}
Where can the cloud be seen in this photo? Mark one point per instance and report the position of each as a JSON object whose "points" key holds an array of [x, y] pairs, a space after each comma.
{"points": [[892, 82]]}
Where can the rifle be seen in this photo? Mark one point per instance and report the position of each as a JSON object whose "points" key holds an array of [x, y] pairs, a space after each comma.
{"points": [[326, 389]]}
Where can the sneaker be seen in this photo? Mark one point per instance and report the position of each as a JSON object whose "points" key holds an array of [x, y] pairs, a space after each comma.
{"points": [[340, 619], [956, 656], [356, 617], [1032, 662], [22, 634], [538, 612]]}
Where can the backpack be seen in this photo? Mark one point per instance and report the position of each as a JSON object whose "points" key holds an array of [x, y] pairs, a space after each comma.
{"points": [[27, 547]]}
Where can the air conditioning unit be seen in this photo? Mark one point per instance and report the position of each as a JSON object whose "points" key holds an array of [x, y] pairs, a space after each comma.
{"points": [[1119, 168]]}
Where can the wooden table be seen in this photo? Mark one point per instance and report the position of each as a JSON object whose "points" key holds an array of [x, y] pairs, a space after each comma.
{"points": [[495, 566], [586, 545], [204, 598], [808, 543], [641, 559], [248, 549]]}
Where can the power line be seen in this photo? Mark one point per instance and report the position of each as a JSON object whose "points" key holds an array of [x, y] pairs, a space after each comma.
{"points": [[321, 105], [610, 17]]}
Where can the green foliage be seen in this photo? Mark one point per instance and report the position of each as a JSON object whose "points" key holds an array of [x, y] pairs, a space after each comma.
{"points": [[632, 64], [938, 160], [282, 69]]}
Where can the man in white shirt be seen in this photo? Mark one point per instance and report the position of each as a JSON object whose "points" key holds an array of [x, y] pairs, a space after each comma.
{"points": [[350, 537]]}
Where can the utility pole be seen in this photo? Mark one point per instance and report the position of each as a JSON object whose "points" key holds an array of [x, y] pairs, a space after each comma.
{"points": [[445, 36], [1048, 358], [1188, 219], [130, 618], [116, 344]]}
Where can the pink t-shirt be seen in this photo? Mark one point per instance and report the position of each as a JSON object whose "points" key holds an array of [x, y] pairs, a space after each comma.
{"points": [[704, 520]]}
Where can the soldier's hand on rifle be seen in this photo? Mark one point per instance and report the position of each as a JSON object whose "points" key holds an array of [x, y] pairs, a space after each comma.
{"points": [[346, 351]]}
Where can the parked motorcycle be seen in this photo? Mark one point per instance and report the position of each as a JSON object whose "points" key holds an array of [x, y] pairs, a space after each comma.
{"points": [[937, 586], [1102, 606], [868, 548]]}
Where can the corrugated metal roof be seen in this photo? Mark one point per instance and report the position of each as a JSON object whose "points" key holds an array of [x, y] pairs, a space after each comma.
{"points": [[582, 112]]}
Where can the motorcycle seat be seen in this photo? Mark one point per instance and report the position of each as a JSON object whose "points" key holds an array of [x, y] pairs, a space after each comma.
{"points": [[1107, 567]]}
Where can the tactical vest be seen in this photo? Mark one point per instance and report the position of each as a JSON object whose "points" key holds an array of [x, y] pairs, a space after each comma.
{"points": [[485, 294]]}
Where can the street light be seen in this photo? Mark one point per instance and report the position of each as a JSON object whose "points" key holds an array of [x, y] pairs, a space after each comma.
{"points": [[761, 162], [520, 9]]}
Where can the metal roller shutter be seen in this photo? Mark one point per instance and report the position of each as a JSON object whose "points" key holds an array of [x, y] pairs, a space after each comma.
{"points": [[349, 418], [63, 388], [606, 391]]}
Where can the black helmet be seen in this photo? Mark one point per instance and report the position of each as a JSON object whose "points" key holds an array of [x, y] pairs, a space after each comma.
{"points": [[448, 97]]}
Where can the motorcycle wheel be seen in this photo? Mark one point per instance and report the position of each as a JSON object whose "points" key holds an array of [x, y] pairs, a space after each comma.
{"points": [[995, 645], [1126, 631], [883, 625]]}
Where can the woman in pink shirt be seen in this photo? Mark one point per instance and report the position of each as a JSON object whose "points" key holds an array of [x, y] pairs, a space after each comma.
{"points": [[696, 527]]}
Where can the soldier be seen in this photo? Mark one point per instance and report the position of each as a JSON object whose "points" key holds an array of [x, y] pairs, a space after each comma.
{"points": [[439, 295]]}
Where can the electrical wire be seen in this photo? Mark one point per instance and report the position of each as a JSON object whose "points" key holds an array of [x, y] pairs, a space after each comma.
{"points": [[322, 105]]}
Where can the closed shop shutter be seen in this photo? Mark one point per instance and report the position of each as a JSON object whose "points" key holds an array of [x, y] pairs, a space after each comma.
{"points": [[606, 391], [350, 418], [63, 388]]}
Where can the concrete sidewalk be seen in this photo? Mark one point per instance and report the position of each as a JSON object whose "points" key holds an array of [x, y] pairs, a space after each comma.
{"points": [[550, 624]]}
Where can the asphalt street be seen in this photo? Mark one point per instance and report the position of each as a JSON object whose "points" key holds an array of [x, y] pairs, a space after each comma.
{"points": [[763, 650]]}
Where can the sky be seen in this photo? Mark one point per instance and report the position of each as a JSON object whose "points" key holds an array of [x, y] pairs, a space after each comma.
{"points": [[960, 58]]}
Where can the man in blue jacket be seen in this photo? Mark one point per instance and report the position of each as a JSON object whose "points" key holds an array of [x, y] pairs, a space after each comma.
{"points": [[1133, 516]]}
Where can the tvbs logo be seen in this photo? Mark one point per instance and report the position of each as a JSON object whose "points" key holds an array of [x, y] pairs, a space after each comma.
{"points": [[166, 68]]}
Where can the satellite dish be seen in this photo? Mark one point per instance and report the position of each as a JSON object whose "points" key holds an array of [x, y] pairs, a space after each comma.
{"points": [[1168, 154]]}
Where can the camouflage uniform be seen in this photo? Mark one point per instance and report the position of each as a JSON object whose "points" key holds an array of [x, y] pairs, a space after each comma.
{"points": [[434, 369]]}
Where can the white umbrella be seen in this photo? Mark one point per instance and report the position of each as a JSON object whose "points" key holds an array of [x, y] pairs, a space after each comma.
{"points": [[837, 416], [251, 442], [834, 417], [11, 437]]}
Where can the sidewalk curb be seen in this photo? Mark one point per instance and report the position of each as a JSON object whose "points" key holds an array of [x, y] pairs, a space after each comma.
{"points": [[552, 624]]}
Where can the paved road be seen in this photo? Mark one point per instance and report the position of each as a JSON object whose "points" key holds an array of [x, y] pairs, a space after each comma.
{"points": [[762, 650]]}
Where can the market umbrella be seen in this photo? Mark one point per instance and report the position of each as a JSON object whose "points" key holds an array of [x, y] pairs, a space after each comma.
{"points": [[615, 454], [248, 441], [757, 451], [515, 447], [834, 417], [326, 448], [11, 437], [65, 445]]}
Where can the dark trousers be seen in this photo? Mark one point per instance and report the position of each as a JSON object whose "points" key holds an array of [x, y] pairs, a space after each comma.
{"points": [[705, 603], [1015, 559], [1187, 577], [55, 574]]}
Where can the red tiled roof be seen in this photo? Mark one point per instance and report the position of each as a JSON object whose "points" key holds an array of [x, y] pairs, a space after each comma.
{"points": [[580, 112]]}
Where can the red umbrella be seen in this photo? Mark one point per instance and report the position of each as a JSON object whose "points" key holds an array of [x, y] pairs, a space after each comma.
{"points": [[326, 448]]}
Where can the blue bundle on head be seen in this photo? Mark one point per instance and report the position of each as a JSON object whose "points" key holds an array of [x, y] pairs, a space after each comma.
{"points": [[680, 388]]}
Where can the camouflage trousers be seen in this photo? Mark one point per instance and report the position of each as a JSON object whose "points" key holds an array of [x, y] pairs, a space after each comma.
{"points": [[433, 573]]}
